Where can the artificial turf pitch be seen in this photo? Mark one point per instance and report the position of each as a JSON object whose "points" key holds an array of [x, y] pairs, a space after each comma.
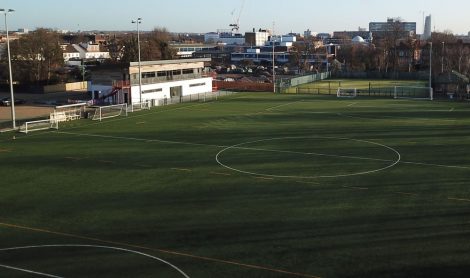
{"points": [[253, 185]]}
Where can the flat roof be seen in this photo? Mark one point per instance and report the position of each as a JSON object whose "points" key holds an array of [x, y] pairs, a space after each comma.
{"points": [[169, 62]]}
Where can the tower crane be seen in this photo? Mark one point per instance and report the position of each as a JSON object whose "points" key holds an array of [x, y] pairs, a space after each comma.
{"points": [[236, 25]]}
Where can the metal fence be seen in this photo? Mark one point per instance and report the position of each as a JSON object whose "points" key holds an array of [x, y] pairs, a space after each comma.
{"points": [[203, 97], [371, 92], [285, 83]]}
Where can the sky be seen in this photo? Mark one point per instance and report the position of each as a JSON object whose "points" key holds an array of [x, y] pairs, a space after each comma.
{"points": [[200, 16]]}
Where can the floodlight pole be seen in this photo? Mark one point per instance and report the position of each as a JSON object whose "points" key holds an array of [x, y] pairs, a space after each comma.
{"points": [[274, 63], [430, 70], [13, 116], [442, 58], [138, 21]]}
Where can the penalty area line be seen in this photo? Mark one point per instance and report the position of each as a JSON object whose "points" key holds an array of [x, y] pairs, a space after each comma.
{"points": [[175, 253], [29, 271]]}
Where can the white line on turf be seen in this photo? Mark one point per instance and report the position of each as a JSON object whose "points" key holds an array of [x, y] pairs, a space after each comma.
{"points": [[256, 149], [29, 271], [97, 246], [282, 105], [238, 146]]}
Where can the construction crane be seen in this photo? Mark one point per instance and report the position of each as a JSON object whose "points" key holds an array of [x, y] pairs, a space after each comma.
{"points": [[236, 25]]}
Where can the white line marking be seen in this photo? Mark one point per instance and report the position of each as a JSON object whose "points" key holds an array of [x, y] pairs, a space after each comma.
{"points": [[354, 103], [436, 165], [138, 139], [29, 271], [238, 146], [256, 149], [355, 187], [459, 199], [405, 193], [97, 246], [290, 103]]}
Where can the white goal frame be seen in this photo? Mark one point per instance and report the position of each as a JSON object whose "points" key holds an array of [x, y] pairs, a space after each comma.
{"points": [[346, 92], [109, 111], [39, 125], [397, 95], [68, 112], [138, 106]]}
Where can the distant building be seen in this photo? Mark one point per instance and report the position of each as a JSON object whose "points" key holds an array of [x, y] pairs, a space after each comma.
{"points": [[22, 31], [69, 52], [307, 34], [225, 37], [91, 51], [427, 28], [257, 38], [187, 50], [392, 25]]}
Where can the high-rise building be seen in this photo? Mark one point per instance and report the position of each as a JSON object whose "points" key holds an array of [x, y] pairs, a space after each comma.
{"points": [[427, 28], [392, 25]]}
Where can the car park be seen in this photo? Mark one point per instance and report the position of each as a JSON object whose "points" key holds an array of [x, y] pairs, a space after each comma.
{"points": [[7, 101]]}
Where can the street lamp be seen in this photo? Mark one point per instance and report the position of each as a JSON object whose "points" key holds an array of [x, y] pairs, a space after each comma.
{"points": [[442, 58], [138, 21], [6, 12]]}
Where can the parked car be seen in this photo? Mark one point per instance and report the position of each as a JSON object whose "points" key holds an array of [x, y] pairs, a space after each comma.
{"points": [[7, 101]]}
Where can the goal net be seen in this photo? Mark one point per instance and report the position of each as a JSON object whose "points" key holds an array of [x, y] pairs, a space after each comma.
{"points": [[138, 106], [346, 92], [424, 93], [110, 111], [39, 125], [69, 112]]}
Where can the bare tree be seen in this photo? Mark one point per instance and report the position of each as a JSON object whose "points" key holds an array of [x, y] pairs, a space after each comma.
{"points": [[36, 55]]}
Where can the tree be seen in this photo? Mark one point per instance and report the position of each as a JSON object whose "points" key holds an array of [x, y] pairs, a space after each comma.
{"points": [[154, 45], [36, 55]]}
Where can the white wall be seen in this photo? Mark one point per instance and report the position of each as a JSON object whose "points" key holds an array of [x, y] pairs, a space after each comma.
{"points": [[165, 92]]}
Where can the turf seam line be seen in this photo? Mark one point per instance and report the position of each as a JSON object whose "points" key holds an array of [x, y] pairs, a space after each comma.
{"points": [[176, 253]]}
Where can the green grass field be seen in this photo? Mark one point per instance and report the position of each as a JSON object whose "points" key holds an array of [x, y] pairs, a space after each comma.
{"points": [[253, 185]]}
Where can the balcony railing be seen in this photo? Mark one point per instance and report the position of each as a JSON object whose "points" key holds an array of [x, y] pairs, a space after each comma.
{"points": [[162, 79]]}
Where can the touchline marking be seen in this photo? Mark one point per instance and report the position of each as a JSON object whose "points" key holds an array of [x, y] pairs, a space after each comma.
{"points": [[285, 104], [29, 271], [97, 246], [175, 253]]}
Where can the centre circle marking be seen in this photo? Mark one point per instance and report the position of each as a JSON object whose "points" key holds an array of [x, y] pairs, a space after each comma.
{"points": [[240, 146]]}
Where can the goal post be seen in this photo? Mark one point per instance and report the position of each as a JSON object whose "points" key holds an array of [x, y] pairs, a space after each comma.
{"points": [[409, 92], [110, 111], [39, 125], [138, 106], [68, 112], [346, 92]]}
